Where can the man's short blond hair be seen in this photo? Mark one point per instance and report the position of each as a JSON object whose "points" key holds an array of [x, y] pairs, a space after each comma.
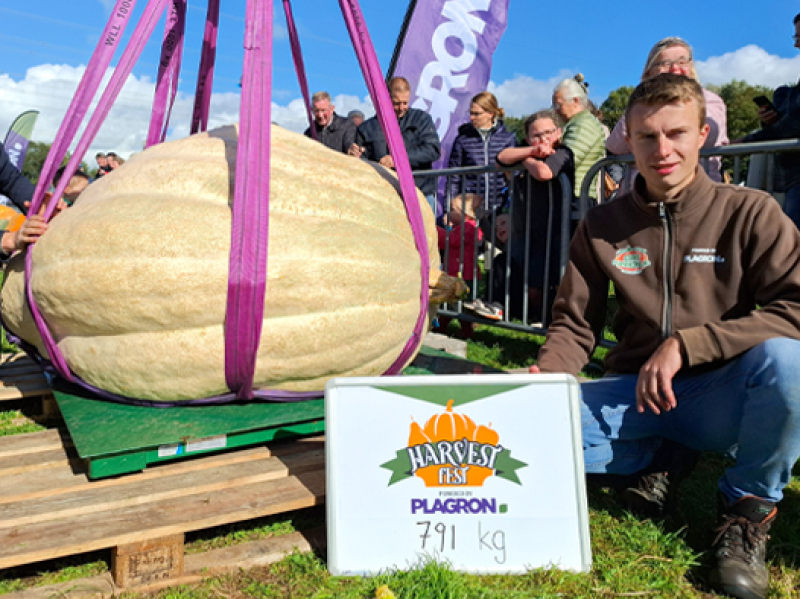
{"points": [[665, 89], [320, 96]]}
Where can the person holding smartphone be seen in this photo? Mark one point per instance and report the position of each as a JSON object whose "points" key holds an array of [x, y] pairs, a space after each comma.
{"points": [[780, 119]]}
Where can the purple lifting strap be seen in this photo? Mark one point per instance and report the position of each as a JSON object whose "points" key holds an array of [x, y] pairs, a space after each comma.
{"points": [[383, 106], [247, 275], [250, 219], [299, 67], [205, 77], [77, 110], [169, 70]]}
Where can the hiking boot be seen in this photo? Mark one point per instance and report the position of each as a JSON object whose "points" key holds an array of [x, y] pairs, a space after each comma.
{"points": [[740, 544], [654, 491], [650, 496]]}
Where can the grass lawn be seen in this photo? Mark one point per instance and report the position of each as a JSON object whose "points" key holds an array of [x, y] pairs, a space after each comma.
{"points": [[632, 558]]}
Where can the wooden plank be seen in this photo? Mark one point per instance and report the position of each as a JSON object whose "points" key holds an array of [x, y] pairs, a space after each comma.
{"points": [[89, 532], [33, 442], [38, 461], [11, 358], [21, 378], [23, 391], [196, 568], [65, 477], [99, 500]]}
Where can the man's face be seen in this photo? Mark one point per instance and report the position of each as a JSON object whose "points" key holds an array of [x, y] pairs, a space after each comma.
{"points": [[323, 113], [666, 143], [102, 161], [400, 102], [566, 109]]}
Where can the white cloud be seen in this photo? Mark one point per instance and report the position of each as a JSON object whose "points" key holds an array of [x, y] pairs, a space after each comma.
{"points": [[49, 88], [525, 95], [752, 64]]}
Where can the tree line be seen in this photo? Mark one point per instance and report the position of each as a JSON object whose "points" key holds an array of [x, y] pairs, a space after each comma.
{"points": [[738, 97]]}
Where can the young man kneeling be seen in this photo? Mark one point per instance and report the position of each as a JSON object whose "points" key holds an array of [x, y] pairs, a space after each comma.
{"points": [[707, 277]]}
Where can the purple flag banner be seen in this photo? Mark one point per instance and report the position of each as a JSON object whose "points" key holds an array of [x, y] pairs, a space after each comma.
{"points": [[19, 136], [447, 58]]}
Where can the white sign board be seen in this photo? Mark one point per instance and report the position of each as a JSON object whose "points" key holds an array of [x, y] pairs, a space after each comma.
{"points": [[484, 472]]}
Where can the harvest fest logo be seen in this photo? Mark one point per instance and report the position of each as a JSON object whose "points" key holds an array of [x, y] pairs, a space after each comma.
{"points": [[451, 450], [631, 261]]}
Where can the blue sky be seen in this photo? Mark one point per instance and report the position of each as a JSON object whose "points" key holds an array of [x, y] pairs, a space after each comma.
{"points": [[45, 44]]}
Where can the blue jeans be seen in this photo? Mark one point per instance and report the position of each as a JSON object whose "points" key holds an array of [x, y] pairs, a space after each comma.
{"points": [[750, 408]]}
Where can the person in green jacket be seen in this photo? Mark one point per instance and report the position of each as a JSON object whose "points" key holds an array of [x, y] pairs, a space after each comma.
{"points": [[582, 132]]}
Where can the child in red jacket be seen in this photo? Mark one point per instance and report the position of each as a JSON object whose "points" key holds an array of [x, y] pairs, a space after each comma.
{"points": [[458, 241]]}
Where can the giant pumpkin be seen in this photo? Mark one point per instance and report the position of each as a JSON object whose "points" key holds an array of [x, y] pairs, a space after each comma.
{"points": [[132, 280]]}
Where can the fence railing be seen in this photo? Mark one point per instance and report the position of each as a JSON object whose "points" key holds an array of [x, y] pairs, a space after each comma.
{"points": [[497, 275], [515, 282], [768, 149]]}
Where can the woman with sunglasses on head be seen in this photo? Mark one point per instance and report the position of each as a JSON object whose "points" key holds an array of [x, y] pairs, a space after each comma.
{"points": [[673, 55]]}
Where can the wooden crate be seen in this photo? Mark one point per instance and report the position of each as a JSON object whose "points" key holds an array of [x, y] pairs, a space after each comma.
{"points": [[49, 508]]}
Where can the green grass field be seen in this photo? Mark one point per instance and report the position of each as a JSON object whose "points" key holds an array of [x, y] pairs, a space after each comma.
{"points": [[632, 558]]}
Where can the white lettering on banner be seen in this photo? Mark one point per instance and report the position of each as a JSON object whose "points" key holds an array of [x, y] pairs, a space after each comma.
{"points": [[463, 26], [14, 153]]}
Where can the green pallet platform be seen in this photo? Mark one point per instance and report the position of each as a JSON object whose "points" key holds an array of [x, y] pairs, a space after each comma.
{"points": [[117, 439]]}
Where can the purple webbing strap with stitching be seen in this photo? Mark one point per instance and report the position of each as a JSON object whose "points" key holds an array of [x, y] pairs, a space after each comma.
{"points": [[117, 81], [205, 77], [169, 69], [247, 277], [77, 110], [298, 64], [92, 76], [383, 106]]}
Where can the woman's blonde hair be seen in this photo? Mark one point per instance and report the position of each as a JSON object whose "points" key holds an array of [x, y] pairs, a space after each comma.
{"points": [[488, 101], [655, 53]]}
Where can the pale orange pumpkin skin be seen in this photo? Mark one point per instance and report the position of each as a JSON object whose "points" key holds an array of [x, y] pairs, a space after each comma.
{"points": [[132, 280]]}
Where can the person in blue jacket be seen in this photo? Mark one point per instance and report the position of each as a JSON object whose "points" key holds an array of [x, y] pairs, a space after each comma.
{"points": [[419, 137], [781, 120], [13, 184], [478, 143]]}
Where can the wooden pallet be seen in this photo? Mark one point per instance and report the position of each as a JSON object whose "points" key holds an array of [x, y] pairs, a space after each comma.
{"points": [[49, 508], [21, 378]]}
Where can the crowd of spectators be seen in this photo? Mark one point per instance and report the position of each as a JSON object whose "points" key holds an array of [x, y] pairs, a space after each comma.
{"points": [[727, 329]]}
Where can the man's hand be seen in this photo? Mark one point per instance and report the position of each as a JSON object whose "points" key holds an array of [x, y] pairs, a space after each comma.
{"points": [[355, 150], [767, 115], [387, 161], [654, 387]]}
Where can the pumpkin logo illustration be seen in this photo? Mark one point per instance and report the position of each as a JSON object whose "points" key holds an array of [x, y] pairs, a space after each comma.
{"points": [[631, 261], [451, 450]]}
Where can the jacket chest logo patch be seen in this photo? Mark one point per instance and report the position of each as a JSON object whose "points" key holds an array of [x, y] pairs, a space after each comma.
{"points": [[631, 261]]}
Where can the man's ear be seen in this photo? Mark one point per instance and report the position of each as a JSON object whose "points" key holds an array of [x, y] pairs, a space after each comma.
{"points": [[704, 134]]}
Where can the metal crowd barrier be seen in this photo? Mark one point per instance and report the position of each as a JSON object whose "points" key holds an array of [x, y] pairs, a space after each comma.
{"points": [[571, 211], [769, 149], [524, 317]]}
